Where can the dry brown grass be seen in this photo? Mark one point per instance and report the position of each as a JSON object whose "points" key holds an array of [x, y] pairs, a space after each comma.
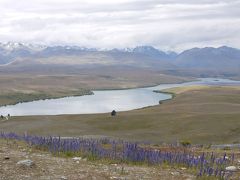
{"points": [[180, 90]]}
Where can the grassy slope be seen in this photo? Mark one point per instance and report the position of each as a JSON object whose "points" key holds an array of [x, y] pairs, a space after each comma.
{"points": [[201, 115]]}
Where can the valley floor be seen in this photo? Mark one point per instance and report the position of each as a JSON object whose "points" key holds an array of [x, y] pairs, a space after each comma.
{"points": [[197, 114], [202, 115]]}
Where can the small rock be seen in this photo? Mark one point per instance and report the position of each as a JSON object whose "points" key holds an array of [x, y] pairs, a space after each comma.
{"points": [[6, 158], [231, 168], [113, 177], [63, 178], [238, 161], [183, 168], [77, 158], [77, 162], [114, 164], [175, 173], [27, 162]]}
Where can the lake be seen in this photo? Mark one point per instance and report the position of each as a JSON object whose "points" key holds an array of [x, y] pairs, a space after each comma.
{"points": [[104, 101]]}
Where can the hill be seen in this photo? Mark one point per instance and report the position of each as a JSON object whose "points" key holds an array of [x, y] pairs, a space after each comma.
{"points": [[210, 58]]}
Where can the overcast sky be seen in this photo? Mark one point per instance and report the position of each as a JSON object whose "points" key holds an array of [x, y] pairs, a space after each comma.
{"points": [[165, 24]]}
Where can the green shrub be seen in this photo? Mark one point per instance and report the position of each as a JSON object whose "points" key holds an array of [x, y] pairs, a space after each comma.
{"points": [[185, 143]]}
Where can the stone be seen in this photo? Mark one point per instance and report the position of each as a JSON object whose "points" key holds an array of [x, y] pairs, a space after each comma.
{"points": [[114, 164], [6, 158], [231, 168], [77, 158], [183, 168], [63, 178], [175, 173], [113, 177], [27, 163]]}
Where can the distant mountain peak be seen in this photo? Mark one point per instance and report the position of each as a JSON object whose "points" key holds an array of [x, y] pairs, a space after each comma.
{"points": [[209, 57], [223, 56], [10, 46], [149, 50], [144, 49]]}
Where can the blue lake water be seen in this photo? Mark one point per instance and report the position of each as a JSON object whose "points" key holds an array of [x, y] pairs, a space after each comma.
{"points": [[104, 101]]}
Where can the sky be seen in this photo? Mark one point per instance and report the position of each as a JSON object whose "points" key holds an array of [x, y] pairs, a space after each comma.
{"points": [[165, 24]]}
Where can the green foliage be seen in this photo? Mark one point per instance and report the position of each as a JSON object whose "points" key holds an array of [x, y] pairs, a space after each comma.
{"points": [[226, 148], [69, 154], [185, 143]]}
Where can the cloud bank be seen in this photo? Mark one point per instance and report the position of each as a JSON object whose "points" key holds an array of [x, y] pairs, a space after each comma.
{"points": [[165, 24]]}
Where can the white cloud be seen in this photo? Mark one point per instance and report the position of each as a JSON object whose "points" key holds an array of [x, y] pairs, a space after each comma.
{"points": [[166, 24]]}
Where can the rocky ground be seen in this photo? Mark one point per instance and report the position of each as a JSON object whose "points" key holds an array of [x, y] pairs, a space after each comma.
{"points": [[21, 162], [42, 165]]}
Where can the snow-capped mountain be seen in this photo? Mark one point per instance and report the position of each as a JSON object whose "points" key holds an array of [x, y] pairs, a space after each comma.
{"points": [[141, 50], [11, 46], [145, 56]]}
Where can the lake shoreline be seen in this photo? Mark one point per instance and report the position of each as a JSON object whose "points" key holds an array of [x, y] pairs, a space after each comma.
{"points": [[47, 98], [178, 119], [91, 92], [104, 101]]}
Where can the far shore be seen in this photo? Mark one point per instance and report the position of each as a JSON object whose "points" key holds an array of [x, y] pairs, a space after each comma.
{"points": [[38, 97]]}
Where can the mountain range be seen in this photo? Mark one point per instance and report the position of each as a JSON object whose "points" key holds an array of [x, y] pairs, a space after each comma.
{"points": [[223, 59]]}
